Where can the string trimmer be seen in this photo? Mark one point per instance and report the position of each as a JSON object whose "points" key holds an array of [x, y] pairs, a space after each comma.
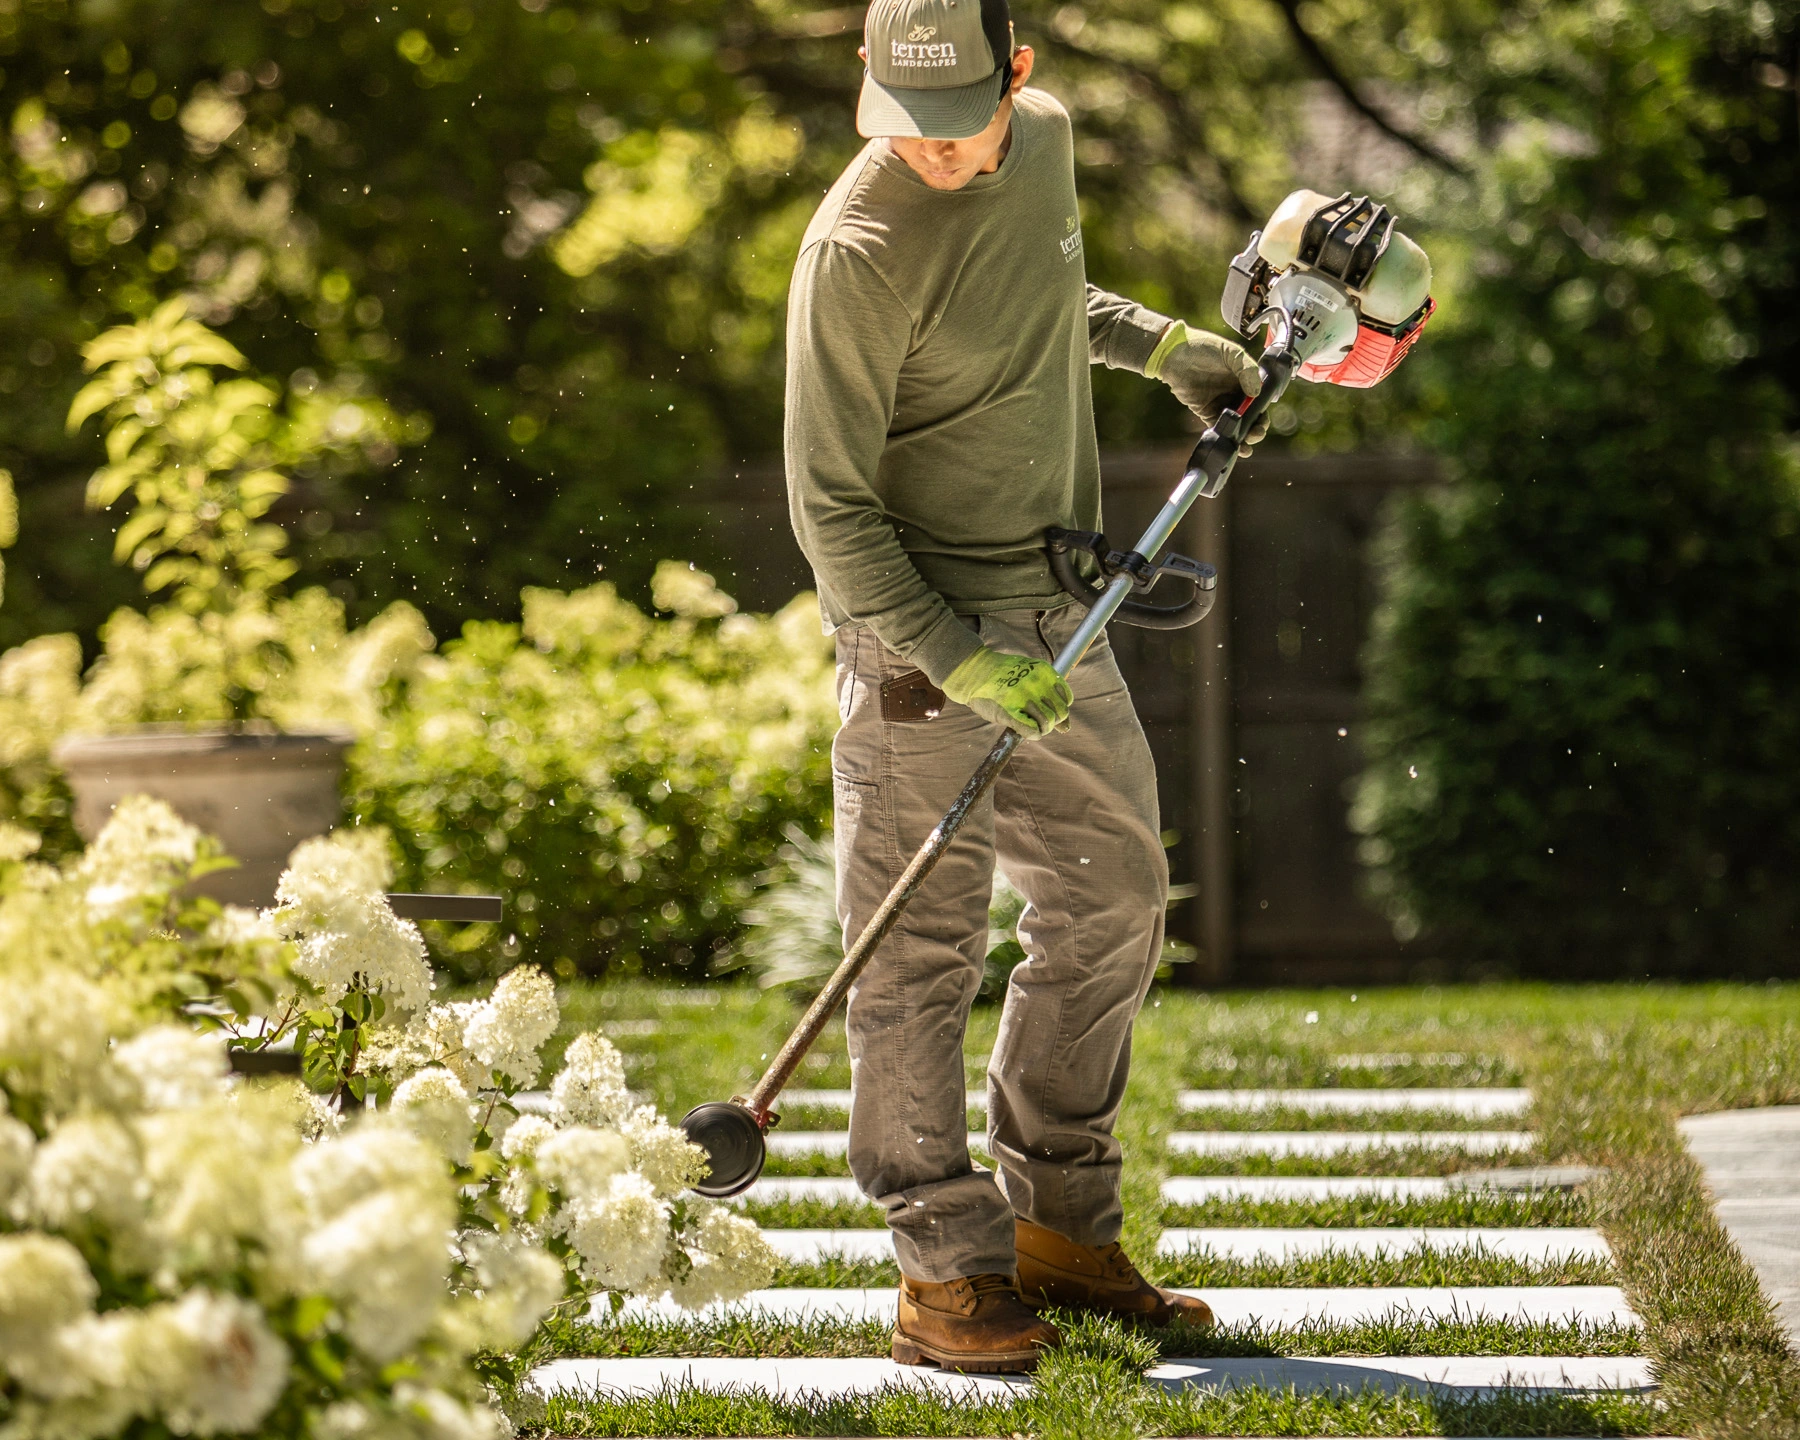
{"points": [[1340, 295]]}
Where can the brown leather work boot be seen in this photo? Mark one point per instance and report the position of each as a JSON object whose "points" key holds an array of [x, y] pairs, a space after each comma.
{"points": [[975, 1323], [1085, 1277]]}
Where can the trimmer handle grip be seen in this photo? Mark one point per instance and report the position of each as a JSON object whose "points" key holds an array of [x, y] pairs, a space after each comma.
{"points": [[1060, 545]]}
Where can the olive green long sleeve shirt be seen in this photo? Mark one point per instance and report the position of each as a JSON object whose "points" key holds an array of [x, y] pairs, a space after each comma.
{"points": [[939, 412]]}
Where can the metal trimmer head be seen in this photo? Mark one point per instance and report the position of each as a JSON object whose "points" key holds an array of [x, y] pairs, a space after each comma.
{"points": [[733, 1142]]}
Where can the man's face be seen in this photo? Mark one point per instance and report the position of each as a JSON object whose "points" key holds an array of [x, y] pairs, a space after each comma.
{"points": [[952, 164]]}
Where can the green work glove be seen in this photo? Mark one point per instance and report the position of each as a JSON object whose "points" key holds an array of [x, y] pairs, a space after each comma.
{"points": [[1207, 372], [1027, 695]]}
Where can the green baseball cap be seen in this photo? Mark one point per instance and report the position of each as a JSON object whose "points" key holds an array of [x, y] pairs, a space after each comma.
{"points": [[937, 68]]}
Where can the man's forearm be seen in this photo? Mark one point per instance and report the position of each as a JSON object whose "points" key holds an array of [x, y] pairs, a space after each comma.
{"points": [[847, 338], [1122, 334], [867, 576]]}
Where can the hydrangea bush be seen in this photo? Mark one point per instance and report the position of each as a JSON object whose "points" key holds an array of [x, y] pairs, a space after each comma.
{"points": [[184, 1252], [620, 777]]}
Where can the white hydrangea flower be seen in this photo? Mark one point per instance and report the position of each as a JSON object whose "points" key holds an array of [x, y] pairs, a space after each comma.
{"points": [[590, 1089], [89, 1172], [144, 849], [219, 1368], [236, 927], [661, 1153], [16, 1146], [386, 1261], [336, 1173], [98, 1376], [525, 1406], [345, 1420], [622, 1236], [581, 1162], [727, 1255], [435, 1107], [363, 944], [506, 1031], [354, 861], [17, 843], [173, 1067], [433, 1036], [518, 1285], [315, 1117], [496, 1119], [524, 1136], [443, 1417], [330, 901], [44, 1286], [216, 1181], [54, 1038]]}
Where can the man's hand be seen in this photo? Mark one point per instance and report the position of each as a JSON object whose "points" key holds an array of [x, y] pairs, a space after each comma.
{"points": [[1207, 372], [1024, 694]]}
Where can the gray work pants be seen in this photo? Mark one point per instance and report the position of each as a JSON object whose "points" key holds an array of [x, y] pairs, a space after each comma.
{"points": [[1073, 821]]}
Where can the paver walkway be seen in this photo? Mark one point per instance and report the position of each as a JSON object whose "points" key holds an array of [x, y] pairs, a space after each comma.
{"points": [[1544, 1243], [1480, 1103], [1475, 1103], [1321, 1143], [1531, 1243], [1462, 1377], [1273, 1309], [1752, 1164], [1268, 1308]]}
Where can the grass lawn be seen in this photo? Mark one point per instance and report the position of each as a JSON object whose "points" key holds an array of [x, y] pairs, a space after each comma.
{"points": [[1611, 1069]]}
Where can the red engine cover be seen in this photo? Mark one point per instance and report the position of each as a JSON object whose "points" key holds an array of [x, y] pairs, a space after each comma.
{"points": [[1374, 355]]}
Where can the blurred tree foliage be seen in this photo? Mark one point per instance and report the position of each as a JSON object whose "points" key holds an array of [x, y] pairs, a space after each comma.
{"points": [[552, 237], [364, 190], [556, 234], [1586, 679]]}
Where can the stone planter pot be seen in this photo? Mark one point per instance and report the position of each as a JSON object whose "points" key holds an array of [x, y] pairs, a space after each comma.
{"points": [[260, 795]]}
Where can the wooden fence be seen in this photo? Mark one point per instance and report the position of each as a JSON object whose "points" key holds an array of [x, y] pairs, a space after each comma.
{"points": [[1253, 715]]}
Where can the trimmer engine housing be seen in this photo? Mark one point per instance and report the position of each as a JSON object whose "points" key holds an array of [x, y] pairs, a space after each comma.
{"points": [[1320, 256]]}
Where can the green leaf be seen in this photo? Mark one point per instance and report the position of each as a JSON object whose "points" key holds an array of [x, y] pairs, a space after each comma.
{"points": [[91, 399], [197, 345], [309, 1313], [324, 1361]]}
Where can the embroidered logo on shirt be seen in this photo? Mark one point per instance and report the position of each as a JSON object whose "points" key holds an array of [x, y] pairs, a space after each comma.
{"points": [[921, 32], [1071, 242]]}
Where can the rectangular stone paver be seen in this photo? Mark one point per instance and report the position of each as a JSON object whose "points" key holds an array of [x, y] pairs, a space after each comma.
{"points": [[1269, 1308], [1198, 1189], [830, 1142], [787, 1379], [1456, 1376], [840, 1100], [830, 1189], [1527, 1243], [810, 1246], [1344, 1142], [1451, 1376], [1176, 1190], [1752, 1164], [1538, 1243], [1476, 1103]]}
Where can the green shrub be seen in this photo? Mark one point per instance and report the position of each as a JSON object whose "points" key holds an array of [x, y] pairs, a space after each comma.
{"points": [[1585, 681], [621, 779]]}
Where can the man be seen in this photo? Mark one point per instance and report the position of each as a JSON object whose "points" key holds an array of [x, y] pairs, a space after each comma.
{"points": [[939, 419]]}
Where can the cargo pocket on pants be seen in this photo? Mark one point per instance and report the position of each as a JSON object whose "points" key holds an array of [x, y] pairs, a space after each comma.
{"points": [[856, 804]]}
